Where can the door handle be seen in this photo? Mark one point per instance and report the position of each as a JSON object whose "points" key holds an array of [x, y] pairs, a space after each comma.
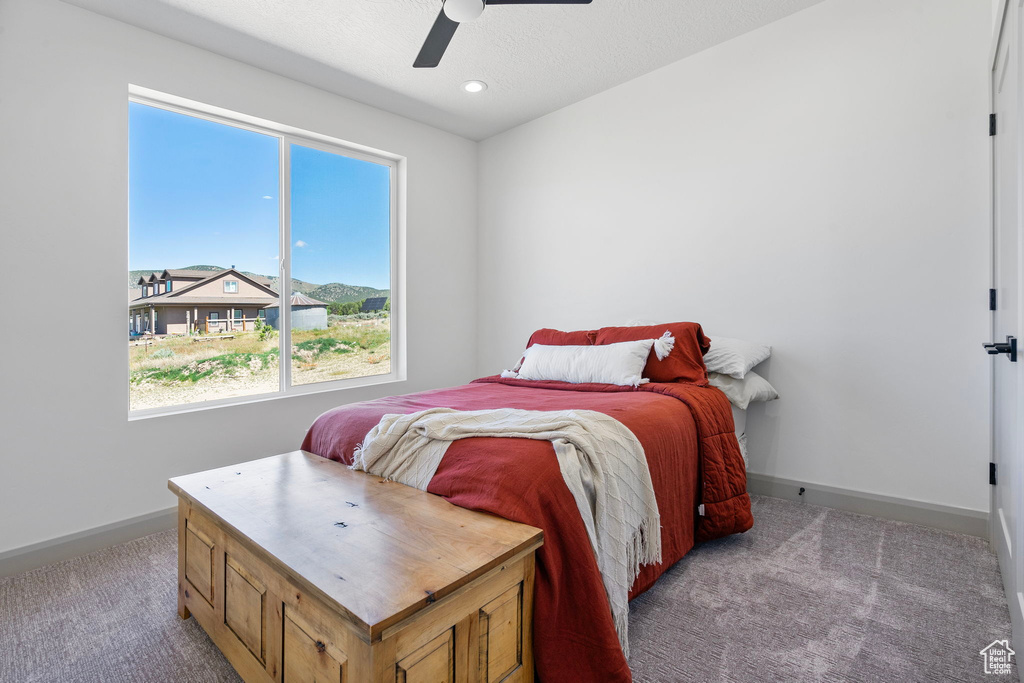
{"points": [[1009, 348]]}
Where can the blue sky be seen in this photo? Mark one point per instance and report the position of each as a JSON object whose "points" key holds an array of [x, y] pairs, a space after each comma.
{"points": [[207, 193]]}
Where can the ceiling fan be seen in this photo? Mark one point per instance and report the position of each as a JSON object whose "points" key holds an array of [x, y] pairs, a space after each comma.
{"points": [[455, 12]]}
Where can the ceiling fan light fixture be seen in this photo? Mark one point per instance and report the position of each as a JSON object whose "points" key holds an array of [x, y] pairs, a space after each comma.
{"points": [[463, 10], [455, 12], [474, 86]]}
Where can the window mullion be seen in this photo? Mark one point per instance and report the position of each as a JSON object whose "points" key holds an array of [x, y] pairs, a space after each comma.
{"points": [[285, 283]]}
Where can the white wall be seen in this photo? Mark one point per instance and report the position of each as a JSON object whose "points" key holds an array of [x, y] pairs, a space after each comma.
{"points": [[819, 184], [69, 458]]}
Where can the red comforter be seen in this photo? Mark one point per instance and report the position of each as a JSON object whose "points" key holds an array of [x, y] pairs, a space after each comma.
{"points": [[687, 435]]}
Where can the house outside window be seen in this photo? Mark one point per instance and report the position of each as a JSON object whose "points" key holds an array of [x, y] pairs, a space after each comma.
{"points": [[312, 223]]}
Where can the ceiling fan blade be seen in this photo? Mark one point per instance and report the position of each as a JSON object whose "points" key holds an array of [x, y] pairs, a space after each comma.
{"points": [[436, 43], [539, 2]]}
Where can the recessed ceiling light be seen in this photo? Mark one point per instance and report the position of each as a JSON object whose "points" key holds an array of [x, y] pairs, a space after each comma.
{"points": [[474, 86]]}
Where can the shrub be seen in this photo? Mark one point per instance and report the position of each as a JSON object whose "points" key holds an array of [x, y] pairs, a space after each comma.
{"points": [[344, 308], [228, 364], [163, 353], [321, 345], [264, 330]]}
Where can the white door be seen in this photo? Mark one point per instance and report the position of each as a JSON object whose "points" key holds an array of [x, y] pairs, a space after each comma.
{"points": [[1006, 262]]}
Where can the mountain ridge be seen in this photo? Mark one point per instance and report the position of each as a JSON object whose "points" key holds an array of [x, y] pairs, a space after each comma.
{"points": [[332, 292]]}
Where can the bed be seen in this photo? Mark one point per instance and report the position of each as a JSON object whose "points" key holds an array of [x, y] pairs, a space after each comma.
{"points": [[697, 471]]}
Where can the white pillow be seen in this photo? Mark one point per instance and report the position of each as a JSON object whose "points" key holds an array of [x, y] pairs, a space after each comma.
{"points": [[734, 357], [622, 363], [741, 392], [739, 420]]}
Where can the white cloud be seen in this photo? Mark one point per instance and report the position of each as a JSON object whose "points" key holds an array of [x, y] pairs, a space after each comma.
{"points": [[267, 196], [301, 244]]}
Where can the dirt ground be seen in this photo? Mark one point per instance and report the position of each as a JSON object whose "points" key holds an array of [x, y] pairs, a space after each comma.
{"points": [[254, 378]]}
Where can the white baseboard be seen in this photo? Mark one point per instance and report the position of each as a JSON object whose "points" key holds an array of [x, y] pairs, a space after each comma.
{"points": [[65, 547], [947, 517]]}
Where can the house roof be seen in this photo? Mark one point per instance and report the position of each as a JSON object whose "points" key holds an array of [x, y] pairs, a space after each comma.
{"points": [[180, 295], [177, 274], [205, 301], [184, 274], [299, 300], [263, 280]]}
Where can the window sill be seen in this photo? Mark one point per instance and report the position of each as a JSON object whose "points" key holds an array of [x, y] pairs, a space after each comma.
{"points": [[302, 390]]}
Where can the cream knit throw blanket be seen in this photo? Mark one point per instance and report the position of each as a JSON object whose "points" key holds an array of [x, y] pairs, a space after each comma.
{"points": [[602, 462]]}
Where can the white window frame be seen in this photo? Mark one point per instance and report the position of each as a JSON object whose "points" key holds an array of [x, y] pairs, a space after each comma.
{"points": [[233, 290], [288, 135]]}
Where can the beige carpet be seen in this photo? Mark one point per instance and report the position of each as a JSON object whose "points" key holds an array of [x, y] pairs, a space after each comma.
{"points": [[809, 594]]}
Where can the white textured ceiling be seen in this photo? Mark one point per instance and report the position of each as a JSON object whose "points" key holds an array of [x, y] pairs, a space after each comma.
{"points": [[535, 58]]}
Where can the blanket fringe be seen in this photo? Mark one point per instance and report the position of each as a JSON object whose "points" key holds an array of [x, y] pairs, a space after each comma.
{"points": [[664, 345], [357, 456], [644, 549]]}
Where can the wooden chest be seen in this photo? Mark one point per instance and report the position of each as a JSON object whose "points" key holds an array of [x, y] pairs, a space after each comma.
{"points": [[300, 569]]}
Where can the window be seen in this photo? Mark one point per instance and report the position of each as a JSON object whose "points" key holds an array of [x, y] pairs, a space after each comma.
{"points": [[297, 218]]}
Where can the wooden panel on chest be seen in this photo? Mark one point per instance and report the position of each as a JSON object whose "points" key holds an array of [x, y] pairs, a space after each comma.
{"points": [[244, 607], [199, 561], [501, 635], [432, 663], [309, 657]]}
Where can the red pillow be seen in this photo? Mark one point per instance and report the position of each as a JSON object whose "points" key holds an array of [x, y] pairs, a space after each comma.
{"points": [[685, 363], [548, 337], [558, 338]]}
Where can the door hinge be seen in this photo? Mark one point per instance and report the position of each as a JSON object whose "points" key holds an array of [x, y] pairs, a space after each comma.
{"points": [[992, 124], [992, 473], [991, 299]]}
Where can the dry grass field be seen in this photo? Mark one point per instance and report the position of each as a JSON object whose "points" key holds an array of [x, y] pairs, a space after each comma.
{"points": [[187, 370]]}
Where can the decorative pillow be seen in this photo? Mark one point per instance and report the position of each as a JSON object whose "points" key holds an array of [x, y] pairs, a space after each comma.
{"points": [[734, 357], [684, 364], [741, 392], [550, 337], [621, 364]]}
